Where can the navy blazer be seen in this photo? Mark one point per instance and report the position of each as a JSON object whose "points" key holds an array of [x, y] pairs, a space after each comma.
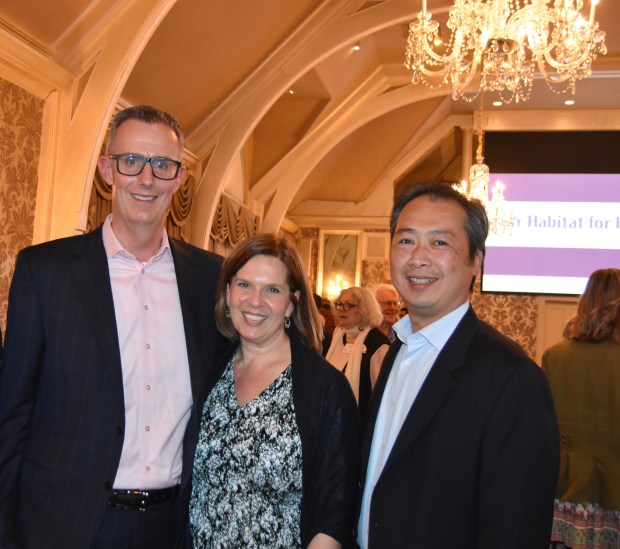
{"points": [[62, 415], [476, 461]]}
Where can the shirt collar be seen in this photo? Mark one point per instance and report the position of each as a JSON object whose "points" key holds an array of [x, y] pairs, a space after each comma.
{"points": [[436, 333], [113, 246]]}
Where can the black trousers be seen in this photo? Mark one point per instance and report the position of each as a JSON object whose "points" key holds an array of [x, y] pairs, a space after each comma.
{"points": [[159, 527]]}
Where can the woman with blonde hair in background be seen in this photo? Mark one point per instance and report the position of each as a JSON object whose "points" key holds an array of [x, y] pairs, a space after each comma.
{"points": [[584, 374], [358, 346]]}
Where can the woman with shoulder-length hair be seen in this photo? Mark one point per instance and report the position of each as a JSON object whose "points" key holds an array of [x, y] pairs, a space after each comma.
{"points": [[277, 459], [584, 374], [358, 346]]}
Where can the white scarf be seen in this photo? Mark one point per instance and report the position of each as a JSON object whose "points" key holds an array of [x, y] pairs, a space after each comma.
{"points": [[352, 371]]}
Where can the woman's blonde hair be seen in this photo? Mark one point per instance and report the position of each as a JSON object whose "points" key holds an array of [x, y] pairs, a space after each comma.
{"points": [[369, 312]]}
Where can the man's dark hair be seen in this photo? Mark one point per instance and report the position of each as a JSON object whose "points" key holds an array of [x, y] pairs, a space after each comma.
{"points": [[476, 220]]}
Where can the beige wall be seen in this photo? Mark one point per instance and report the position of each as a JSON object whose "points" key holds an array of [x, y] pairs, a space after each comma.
{"points": [[21, 116]]}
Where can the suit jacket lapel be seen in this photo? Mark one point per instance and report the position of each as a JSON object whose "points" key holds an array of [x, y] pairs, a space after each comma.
{"points": [[437, 386], [375, 401], [92, 279], [187, 273]]}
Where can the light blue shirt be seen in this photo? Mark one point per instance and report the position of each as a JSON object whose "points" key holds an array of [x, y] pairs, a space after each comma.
{"points": [[411, 367]]}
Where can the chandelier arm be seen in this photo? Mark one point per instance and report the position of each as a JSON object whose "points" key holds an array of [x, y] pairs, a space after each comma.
{"points": [[430, 52], [560, 77], [472, 73], [559, 66]]}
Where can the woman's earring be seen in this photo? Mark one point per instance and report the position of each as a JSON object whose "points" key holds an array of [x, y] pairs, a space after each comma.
{"points": [[227, 313], [287, 321]]}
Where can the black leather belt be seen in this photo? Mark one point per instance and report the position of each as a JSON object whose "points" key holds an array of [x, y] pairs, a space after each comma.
{"points": [[141, 500]]}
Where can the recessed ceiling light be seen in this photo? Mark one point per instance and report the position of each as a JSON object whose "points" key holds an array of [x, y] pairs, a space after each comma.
{"points": [[569, 102], [356, 47], [497, 103], [292, 92]]}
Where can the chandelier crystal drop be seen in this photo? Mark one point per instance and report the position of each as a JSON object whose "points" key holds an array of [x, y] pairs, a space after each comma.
{"points": [[500, 216], [504, 42]]}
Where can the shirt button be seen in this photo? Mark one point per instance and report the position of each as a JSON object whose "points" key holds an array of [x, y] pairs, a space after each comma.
{"points": [[143, 270], [147, 428], [148, 346], [148, 467], [146, 307], [148, 387]]}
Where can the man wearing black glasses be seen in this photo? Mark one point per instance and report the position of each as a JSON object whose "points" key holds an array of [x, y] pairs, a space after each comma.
{"points": [[109, 343]]}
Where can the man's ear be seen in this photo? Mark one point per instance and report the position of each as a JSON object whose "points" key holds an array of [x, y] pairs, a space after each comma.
{"points": [[478, 262], [104, 164], [178, 180]]}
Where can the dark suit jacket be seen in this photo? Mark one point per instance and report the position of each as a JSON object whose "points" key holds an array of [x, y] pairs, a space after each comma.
{"points": [[476, 461], [62, 413]]}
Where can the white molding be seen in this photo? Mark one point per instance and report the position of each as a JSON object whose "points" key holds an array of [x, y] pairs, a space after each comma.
{"points": [[28, 68], [373, 243], [553, 313], [552, 120]]}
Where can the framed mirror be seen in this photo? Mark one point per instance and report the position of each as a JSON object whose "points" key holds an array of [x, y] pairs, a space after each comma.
{"points": [[339, 262]]}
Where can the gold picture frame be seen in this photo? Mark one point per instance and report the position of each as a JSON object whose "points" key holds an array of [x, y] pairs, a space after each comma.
{"points": [[339, 262]]}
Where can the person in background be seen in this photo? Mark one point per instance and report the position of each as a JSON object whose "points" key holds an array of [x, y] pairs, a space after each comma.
{"points": [[277, 460], [584, 373], [327, 335], [109, 343], [327, 313], [358, 346], [461, 448], [387, 297]]}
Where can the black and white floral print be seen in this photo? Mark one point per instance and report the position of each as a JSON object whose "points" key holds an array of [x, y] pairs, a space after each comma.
{"points": [[247, 481]]}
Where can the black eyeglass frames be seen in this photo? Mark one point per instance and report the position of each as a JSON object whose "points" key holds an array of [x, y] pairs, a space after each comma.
{"points": [[133, 164]]}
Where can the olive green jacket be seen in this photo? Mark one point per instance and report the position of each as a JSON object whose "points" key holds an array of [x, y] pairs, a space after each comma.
{"points": [[585, 382]]}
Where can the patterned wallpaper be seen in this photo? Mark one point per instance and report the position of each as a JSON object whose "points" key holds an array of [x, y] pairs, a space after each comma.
{"points": [[512, 314], [21, 119]]}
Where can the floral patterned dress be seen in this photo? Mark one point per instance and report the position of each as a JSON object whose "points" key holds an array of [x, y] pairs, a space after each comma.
{"points": [[247, 482]]}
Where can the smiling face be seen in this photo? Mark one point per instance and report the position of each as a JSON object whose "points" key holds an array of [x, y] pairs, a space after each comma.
{"points": [[389, 303], [140, 202], [259, 299], [429, 259]]}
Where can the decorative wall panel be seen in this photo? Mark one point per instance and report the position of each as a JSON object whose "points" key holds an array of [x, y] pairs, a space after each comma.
{"points": [[21, 121]]}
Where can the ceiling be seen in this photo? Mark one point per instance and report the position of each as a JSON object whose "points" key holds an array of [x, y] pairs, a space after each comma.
{"points": [[322, 132]]}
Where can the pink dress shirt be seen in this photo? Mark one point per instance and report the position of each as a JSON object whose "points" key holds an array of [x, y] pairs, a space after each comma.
{"points": [[156, 381]]}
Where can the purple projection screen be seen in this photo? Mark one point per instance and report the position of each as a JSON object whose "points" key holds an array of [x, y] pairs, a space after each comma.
{"points": [[566, 226]]}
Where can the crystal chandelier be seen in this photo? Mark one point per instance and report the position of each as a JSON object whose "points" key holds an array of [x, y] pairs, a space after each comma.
{"points": [[506, 40], [500, 216]]}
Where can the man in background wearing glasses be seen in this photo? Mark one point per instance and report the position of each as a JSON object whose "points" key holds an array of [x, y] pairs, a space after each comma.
{"points": [[109, 342]]}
